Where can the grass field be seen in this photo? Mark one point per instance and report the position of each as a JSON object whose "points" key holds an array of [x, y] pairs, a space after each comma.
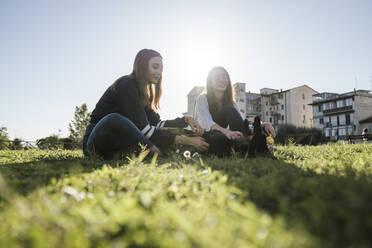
{"points": [[304, 197]]}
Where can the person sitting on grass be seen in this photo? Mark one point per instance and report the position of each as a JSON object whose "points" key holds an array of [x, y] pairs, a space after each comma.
{"points": [[216, 109], [365, 134], [126, 116]]}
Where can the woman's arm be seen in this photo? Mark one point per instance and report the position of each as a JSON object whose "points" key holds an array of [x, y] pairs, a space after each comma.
{"points": [[197, 142], [228, 133], [154, 119], [219, 128], [181, 122], [204, 117]]}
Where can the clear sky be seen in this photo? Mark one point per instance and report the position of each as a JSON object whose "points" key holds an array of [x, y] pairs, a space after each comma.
{"points": [[55, 55]]}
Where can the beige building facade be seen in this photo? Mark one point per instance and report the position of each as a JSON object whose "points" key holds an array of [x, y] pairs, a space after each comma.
{"points": [[287, 107]]}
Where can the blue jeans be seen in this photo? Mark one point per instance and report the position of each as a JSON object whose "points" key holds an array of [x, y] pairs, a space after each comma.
{"points": [[114, 133], [228, 115]]}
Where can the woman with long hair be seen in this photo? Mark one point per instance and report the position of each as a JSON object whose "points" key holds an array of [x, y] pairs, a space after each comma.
{"points": [[125, 116], [216, 110]]}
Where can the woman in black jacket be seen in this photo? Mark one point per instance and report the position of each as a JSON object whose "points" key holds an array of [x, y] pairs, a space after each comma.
{"points": [[125, 115]]}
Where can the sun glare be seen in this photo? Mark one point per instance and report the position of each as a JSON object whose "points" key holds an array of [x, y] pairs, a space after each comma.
{"points": [[200, 58]]}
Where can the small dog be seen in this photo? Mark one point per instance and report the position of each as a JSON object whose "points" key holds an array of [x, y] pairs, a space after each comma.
{"points": [[258, 143]]}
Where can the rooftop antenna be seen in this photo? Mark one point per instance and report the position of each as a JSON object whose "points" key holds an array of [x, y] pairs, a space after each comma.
{"points": [[356, 83]]}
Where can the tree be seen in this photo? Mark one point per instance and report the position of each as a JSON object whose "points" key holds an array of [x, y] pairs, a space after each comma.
{"points": [[4, 139], [16, 144], [78, 125], [50, 143]]}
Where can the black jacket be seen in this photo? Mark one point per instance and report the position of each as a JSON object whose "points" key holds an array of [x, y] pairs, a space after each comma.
{"points": [[125, 100]]}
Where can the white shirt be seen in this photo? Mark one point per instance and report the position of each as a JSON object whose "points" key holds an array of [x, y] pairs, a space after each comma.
{"points": [[202, 114]]}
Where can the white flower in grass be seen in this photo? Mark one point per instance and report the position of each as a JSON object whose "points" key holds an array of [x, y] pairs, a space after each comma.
{"points": [[187, 154], [70, 191]]}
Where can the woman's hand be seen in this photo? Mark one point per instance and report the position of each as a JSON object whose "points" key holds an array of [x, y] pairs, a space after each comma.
{"points": [[233, 134], [197, 142], [196, 128], [269, 129], [229, 134]]}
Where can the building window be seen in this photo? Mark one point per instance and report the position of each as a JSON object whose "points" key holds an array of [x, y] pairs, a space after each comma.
{"points": [[282, 117], [282, 106], [321, 121], [349, 102], [271, 120], [267, 113], [242, 110], [347, 117], [303, 96], [319, 108], [271, 108], [342, 132], [266, 103], [342, 120], [303, 106], [241, 100], [334, 121]]}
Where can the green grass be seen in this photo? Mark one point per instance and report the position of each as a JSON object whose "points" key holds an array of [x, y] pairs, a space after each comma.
{"points": [[305, 197]]}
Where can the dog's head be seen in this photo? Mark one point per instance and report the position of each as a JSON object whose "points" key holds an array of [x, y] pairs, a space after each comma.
{"points": [[257, 131]]}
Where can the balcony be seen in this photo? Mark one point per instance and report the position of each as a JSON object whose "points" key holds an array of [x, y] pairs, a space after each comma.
{"points": [[275, 113], [338, 110], [274, 100]]}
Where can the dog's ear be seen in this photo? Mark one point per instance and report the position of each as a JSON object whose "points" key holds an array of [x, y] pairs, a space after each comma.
{"points": [[257, 120], [257, 126], [246, 127]]}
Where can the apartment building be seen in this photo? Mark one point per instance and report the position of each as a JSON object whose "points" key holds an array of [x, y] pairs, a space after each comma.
{"points": [[342, 114], [249, 104], [287, 106]]}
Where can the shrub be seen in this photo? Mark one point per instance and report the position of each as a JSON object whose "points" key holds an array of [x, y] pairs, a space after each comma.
{"points": [[299, 135]]}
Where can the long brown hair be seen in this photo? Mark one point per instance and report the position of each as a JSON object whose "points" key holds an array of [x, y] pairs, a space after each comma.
{"points": [[149, 94], [228, 97]]}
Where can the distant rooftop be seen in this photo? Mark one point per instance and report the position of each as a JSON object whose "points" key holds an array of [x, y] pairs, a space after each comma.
{"points": [[269, 91], [328, 96]]}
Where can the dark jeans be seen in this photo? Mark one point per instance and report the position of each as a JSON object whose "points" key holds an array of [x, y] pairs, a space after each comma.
{"points": [[229, 116], [114, 133]]}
